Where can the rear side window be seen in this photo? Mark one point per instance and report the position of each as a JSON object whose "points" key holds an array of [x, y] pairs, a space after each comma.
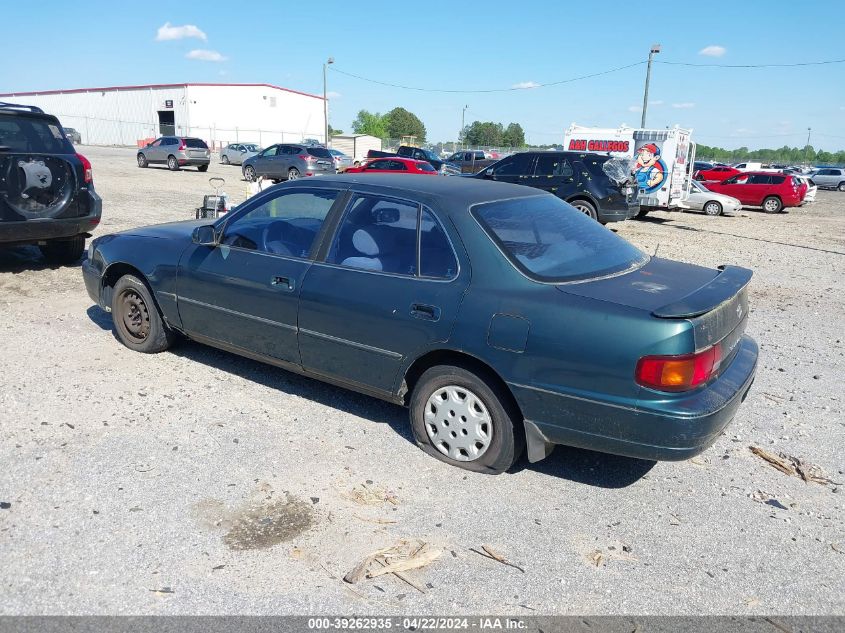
{"points": [[195, 143], [516, 165], [25, 134], [319, 152], [552, 165], [777, 180], [760, 179], [550, 241]]}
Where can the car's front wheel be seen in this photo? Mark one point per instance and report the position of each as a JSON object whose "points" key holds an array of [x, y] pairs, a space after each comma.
{"points": [[249, 173], [586, 208], [841, 186], [64, 252], [465, 420], [136, 318], [142, 161], [713, 208], [226, 160], [172, 163], [293, 174], [202, 168], [772, 204]]}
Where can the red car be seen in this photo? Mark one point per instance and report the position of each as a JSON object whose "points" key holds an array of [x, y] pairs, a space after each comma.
{"points": [[772, 191], [716, 173], [394, 165]]}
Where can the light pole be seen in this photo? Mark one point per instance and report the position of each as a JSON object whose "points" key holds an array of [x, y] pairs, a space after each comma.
{"points": [[807, 148], [655, 48], [463, 112], [330, 60]]}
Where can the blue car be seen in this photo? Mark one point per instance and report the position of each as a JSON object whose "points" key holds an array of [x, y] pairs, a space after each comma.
{"points": [[498, 314]]}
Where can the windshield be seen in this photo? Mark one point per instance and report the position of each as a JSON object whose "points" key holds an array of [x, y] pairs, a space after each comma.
{"points": [[30, 134], [429, 155], [251, 148], [319, 152], [336, 152], [697, 185], [196, 143], [550, 241]]}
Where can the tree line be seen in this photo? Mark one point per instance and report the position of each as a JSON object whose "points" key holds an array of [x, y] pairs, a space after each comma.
{"points": [[784, 155]]}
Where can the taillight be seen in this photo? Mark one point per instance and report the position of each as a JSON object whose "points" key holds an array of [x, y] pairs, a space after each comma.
{"points": [[306, 157], [87, 172], [182, 146], [678, 373]]}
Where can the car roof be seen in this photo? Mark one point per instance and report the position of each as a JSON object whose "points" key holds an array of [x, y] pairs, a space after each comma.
{"points": [[451, 191]]}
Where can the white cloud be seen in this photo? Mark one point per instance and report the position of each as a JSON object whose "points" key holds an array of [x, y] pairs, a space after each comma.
{"points": [[634, 108], [713, 51], [169, 32], [686, 105], [333, 95], [205, 55], [525, 85], [741, 131], [658, 102]]}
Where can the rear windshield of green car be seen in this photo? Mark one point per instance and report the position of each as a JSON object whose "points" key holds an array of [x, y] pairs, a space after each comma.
{"points": [[550, 241]]}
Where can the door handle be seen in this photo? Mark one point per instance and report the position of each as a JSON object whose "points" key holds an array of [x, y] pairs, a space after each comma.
{"points": [[426, 312], [286, 283]]}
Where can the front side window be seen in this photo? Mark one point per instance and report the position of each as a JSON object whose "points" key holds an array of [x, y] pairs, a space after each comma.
{"points": [[270, 151], [549, 241], [397, 165], [742, 179], [425, 167], [378, 164], [516, 165], [286, 224]]}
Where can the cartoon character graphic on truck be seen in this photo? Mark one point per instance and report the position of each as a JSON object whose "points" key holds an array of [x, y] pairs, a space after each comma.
{"points": [[649, 169]]}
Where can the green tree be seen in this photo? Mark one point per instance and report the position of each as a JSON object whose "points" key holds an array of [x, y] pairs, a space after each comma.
{"points": [[371, 123], [486, 133], [399, 122], [334, 132], [514, 135]]}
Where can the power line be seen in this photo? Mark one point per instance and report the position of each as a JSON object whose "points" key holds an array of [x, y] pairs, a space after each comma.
{"points": [[511, 89], [821, 63]]}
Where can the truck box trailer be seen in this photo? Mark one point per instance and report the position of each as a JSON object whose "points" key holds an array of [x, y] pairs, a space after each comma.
{"points": [[660, 159]]}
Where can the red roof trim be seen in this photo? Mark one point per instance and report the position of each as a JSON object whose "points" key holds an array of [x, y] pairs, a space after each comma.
{"points": [[118, 88]]}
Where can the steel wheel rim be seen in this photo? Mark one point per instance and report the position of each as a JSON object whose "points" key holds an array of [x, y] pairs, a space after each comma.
{"points": [[771, 205], [458, 423], [293, 174], [712, 208], [134, 315]]}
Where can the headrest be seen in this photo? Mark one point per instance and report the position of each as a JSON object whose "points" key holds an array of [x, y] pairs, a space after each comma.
{"points": [[364, 242]]}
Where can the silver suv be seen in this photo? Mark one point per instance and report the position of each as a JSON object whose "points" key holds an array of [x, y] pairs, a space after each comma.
{"points": [[830, 178], [289, 162], [176, 152]]}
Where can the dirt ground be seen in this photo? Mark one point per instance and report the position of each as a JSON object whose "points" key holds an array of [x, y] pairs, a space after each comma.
{"points": [[196, 481]]}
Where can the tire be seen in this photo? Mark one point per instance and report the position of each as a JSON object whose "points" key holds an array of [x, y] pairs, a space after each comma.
{"points": [[172, 163], [142, 161], [498, 434], [226, 159], [64, 252], [293, 174], [711, 207], [841, 186], [202, 168], [772, 204], [249, 173], [642, 213], [136, 318], [586, 208]]}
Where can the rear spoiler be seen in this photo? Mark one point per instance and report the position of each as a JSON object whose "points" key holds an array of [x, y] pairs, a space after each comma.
{"points": [[730, 281]]}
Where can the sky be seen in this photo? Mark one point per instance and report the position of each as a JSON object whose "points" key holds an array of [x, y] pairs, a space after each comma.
{"points": [[467, 46]]}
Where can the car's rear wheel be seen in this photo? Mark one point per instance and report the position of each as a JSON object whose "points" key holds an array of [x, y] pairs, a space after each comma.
{"points": [[642, 213], [136, 318], [64, 251], [293, 174], [713, 208], [465, 420], [142, 161], [586, 208], [841, 186], [225, 159], [172, 163], [772, 204], [202, 168], [249, 173]]}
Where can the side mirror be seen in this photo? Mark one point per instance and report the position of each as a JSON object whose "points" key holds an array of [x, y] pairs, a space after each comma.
{"points": [[243, 151], [204, 235]]}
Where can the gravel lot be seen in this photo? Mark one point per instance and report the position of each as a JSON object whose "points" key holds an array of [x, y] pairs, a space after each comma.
{"points": [[140, 484]]}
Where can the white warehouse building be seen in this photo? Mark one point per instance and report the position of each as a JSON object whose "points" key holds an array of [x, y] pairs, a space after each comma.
{"points": [[217, 113]]}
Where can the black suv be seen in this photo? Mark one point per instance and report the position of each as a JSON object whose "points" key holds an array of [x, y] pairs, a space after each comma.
{"points": [[596, 185], [47, 192]]}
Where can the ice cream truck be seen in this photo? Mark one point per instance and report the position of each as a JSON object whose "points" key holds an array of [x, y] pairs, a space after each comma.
{"points": [[659, 159]]}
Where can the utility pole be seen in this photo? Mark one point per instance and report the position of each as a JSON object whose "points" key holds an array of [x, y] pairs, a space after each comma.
{"points": [[807, 147], [326, 101], [463, 112], [655, 48]]}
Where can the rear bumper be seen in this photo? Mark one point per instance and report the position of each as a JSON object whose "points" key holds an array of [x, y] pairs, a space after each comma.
{"points": [[674, 430], [193, 161], [40, 230]]}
